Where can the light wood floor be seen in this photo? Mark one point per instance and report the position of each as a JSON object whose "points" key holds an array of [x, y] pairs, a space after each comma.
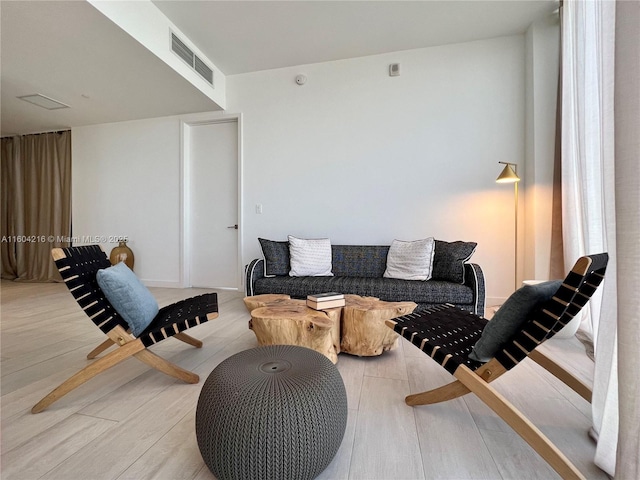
{"points": [[134, 423]]}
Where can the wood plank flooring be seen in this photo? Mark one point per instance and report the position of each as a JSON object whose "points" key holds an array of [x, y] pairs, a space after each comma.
{"points": [[133, 423]]}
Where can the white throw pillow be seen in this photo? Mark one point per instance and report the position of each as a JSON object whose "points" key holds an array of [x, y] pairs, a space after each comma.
{"points": [[310, 258], [410, 260]]}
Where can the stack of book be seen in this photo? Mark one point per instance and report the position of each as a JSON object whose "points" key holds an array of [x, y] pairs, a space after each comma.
{"points": [[320, 301]]}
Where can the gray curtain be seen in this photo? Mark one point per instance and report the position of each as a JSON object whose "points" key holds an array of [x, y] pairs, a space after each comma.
{"points": [[627, 179], [36, 204], [556, 266]]}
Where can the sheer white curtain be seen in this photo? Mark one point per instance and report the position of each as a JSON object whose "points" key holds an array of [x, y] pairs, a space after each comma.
{"points": [[588, 186], [601, 208], [588, 138]]}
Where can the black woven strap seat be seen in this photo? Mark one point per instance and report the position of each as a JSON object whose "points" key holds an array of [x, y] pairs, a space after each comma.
{"points": [[447, 334], [444, 332], [180, 316], [78, 267], [272, 412]]}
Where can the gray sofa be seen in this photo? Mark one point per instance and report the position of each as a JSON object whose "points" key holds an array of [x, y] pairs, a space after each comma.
{"points": [[359, 270]]}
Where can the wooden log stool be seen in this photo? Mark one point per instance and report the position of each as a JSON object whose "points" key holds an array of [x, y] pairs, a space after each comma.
{"points": [[364, 332], [280, 320]]}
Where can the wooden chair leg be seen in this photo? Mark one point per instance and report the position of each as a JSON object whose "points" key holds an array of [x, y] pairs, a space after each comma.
{"points": [[188, 339], [100, 348], [441, 394], [520, 424], [559, 372], [87, 373], [167, 367]]}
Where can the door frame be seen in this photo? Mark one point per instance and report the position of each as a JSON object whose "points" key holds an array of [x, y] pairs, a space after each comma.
{"points": [[185, 210]]}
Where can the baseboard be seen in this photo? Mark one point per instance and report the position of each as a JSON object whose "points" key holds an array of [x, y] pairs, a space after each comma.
{"points": [[494, 301], [161, 283], [167, 284]]}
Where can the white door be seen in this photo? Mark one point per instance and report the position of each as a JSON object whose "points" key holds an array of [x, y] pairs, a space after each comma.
{"points": [[213, 205]]}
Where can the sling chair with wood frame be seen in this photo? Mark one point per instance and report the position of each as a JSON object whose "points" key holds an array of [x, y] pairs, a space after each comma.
{"points": [[78, 267], [448, 334]]}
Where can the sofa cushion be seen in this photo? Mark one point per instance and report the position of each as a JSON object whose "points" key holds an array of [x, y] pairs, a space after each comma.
{"points": [[368, 261], [310, 257], [449, 260], [387, 289], [276, 257], [410, 260], [510, 318]]}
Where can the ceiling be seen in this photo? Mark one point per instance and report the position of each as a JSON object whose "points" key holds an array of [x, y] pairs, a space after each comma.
{"points": [[72, 53], [67, 50], [242, 36]]}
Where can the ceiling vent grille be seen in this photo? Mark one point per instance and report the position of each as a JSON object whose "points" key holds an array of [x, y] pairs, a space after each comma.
{"points": [[204, 71], [180, 49], [185, 53]]}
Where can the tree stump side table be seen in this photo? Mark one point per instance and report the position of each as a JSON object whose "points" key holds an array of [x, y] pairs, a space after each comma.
{"points": [[280, 320], [364, 332]]}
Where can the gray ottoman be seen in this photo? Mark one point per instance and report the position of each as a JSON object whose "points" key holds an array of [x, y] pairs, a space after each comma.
{"points": [[273, 412]]}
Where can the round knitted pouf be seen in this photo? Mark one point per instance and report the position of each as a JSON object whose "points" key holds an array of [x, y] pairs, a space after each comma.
{"points": [[273, 412]]}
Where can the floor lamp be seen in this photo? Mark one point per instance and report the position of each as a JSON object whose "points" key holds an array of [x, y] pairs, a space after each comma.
{"points": [[509, 175]]}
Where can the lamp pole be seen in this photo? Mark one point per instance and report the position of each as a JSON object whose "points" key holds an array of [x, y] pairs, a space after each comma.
{"points": [[515, 233], [510, 175]]}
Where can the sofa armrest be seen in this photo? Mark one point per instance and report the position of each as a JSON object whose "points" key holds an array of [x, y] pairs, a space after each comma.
{"points": [[474, 278], [253, 271]]}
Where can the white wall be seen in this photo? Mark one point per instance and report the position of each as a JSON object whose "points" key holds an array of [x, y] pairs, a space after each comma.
{"points": [[353, 155], [363, 158], [543, 50], [126, 181]]}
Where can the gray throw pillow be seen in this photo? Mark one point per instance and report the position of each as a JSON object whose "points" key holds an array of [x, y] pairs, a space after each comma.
{"points": [[510, 318], [449, 259], [276, 257]]}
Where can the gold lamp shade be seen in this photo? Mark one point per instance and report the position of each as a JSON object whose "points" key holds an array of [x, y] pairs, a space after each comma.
{"points": [[508, 175]]}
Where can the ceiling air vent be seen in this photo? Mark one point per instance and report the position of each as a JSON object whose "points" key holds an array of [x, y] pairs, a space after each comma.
{"points": [[204, 71], [43, 101], [180, 49], [185, 53]]}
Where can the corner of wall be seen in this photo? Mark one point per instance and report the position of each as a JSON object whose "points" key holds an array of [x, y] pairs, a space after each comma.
{"points": [[542, 57]]}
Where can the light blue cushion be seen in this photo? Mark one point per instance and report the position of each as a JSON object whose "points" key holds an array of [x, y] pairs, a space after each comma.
{"points": [[131, 299], [510, 318]]}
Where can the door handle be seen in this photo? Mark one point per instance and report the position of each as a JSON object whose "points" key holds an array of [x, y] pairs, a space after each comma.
{"points": [[235, 227]]}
